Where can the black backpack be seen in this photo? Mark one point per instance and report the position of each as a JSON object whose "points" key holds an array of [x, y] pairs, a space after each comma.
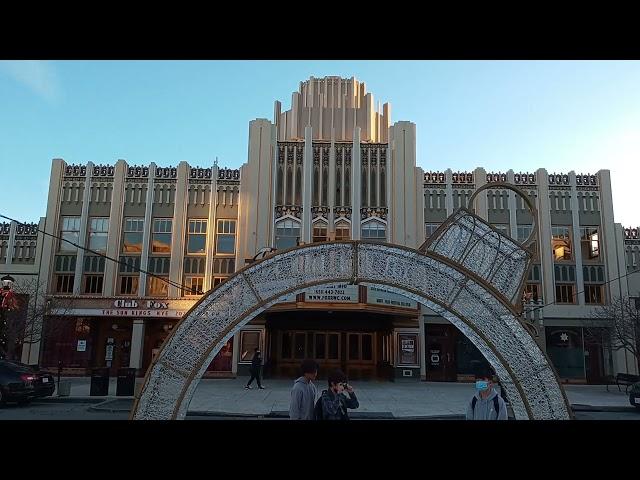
{"points": [[317, 410], [496, 405]]}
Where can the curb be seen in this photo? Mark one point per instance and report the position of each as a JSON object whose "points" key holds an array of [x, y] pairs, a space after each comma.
{"points": [[69, 400], [606, 408]]}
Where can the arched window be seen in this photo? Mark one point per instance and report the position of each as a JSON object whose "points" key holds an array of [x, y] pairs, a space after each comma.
{"points": [[374, 231], [287, 233]]}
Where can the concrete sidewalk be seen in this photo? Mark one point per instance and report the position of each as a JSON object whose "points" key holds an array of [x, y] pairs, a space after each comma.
{"points": [[400, 400]]}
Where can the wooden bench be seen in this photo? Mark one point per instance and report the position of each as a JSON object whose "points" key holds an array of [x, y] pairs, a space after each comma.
{"points": [[623, 379]]}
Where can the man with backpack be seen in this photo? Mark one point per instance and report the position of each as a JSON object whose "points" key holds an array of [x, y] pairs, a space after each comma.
{"points": [[333, 403], [303, 393], [486, 404]]}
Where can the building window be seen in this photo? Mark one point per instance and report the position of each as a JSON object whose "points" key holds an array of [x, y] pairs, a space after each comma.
{"points": [[374, 231], [343, 231], [565, 293], [129, 285], [218, 280], [503, 228], [430, 228], [523, 232], [98, 231], [93, 284], [64, 283], [249, 341], [224, 265], [132, 237], [226, 237], [71, 232], [561, 243], [533, 291], [287, 234], [593, 294], [161, 235], [319, 232], [195, 286], [197, 237], [590, 243], [158, 286]]}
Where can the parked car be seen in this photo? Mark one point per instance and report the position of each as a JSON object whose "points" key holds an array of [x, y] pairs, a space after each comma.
{"points": [[17, 383], [43, 383], [634, 395]]}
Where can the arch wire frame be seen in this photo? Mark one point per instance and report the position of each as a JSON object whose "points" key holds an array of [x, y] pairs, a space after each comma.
{"points": [[458, 293]]}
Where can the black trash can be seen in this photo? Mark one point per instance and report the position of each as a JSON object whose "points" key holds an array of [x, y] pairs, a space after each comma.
{"points": [[99, 382], [126, 382]]}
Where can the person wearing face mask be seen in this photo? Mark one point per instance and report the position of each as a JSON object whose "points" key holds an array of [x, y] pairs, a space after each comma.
{"points": [[486, 404]]}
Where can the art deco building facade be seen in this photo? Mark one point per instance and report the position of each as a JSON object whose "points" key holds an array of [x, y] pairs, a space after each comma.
{"points": [[332, 167]]}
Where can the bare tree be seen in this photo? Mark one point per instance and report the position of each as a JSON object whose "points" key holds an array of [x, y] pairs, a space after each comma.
{"points": [[25, 323], [616, 326]]}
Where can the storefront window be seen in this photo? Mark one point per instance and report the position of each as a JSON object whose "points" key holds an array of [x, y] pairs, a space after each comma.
{"points": [[69, 340], [223, 360], [249, 341], [408, 349]]}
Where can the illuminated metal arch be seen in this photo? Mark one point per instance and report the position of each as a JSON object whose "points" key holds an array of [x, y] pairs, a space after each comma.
{"points": [[479, 309]]}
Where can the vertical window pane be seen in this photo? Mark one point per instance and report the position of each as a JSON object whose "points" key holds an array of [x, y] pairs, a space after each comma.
{"points": [[299, 345], [354, 348], [320, 345], [333, 346], [367, 346], [285, 347]]}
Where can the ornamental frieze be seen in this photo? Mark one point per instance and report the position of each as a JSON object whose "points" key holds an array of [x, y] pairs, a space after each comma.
{"points": [[292, 210], [377, 212]]}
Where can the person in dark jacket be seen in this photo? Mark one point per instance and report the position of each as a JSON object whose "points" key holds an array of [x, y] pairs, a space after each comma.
{"points": [[256, 365], [334, 401]]}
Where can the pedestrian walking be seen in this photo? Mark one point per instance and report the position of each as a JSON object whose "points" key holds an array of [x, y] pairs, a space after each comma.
{"points": [[256, 366]]}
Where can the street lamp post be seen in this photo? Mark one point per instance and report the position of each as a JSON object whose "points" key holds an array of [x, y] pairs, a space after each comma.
{"points": [[7, 302]]}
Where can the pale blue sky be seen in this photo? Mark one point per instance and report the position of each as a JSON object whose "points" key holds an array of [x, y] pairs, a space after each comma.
{"points": [[523, 115]]}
